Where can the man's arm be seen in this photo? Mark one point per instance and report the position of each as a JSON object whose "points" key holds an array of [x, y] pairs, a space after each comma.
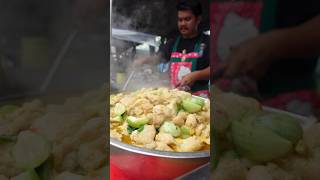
{"points": [[203, 74], [301, 41], [253, 57]]}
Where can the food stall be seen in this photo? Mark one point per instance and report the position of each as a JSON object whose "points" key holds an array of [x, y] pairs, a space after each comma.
{"points": [[144, 144], [148, 82]]}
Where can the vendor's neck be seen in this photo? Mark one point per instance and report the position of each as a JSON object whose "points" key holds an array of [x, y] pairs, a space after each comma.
{"points": [[190, 36]]}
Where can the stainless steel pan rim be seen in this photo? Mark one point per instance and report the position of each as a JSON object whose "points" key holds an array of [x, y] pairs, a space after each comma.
{"points": [[164, 154]]}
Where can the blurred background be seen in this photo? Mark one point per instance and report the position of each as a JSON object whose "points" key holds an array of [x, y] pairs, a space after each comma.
{"points": [[54, 57], [272, 50], [52, 46], [265, 68]]}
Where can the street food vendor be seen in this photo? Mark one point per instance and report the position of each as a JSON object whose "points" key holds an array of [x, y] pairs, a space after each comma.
{"points": [[188, 54]]}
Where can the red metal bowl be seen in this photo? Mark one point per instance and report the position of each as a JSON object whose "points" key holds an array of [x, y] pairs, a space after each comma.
{"points": [[141, 163]]}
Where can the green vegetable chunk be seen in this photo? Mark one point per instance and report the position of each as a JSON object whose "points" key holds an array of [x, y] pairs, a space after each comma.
{"points": [[197, 100], [31, 150], [141, 128], [170, 128], [130, 129], [190, 107], [137, 122], [119, 109], [185, 132], [118, 118], [284, 125], [259, 143]]}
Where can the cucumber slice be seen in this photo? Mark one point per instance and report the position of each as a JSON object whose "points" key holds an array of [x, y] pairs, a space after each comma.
{"points": [[258, 143], [197, 100], [137, 122], [190, 107], [68, 176], [28, 175], [31, 150], [119, 109], [170, 128]]}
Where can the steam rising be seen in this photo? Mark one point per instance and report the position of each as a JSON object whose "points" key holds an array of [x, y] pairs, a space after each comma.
{"points": [[135, 18]]}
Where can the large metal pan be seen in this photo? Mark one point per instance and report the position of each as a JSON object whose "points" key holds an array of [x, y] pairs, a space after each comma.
{"points": [[141, 163]]}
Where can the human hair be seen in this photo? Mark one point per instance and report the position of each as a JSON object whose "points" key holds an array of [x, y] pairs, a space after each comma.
{"points": [[193, 5]]}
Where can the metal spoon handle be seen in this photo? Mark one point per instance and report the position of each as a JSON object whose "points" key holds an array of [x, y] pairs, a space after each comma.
{"points": [[128, 80]]}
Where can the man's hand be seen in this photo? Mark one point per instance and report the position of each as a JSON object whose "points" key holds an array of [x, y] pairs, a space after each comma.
{"points": [[189, 79], [251, 58]]}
